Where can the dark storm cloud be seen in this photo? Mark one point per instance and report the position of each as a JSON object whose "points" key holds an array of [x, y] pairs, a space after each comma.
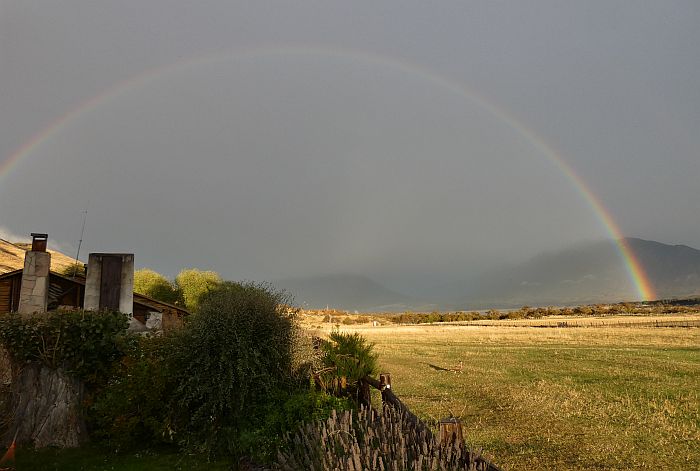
{"points": [[276, 165]]}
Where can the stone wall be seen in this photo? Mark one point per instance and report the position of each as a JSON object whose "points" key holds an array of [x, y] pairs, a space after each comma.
{"points": [[33, 295]]}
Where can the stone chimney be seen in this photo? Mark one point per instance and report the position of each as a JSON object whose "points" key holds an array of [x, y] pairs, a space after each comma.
{"points": [[34, 293], [110, 282]]}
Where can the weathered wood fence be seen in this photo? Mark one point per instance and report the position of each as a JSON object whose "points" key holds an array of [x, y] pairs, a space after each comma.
{"points": [[368, 440], [393, 440]]}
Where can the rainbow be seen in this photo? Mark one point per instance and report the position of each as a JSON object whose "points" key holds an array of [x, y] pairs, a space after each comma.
{"points": [[634, 268]]}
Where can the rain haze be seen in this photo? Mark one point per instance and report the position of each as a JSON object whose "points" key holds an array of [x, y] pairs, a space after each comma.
{"points": [[418, 144]]}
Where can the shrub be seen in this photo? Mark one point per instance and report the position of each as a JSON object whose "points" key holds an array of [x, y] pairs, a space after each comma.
{"points": [[284, 415], [233, 356], [347, 359], [83, 343], [137, 407], [132, 408]]}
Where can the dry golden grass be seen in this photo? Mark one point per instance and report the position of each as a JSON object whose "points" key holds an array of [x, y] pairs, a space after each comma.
{"points": [[12, 257], [312, 321], [555, 398]]}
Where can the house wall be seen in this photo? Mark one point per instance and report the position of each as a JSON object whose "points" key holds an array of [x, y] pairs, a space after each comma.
{"points": [[171, 319], [8, 294]]}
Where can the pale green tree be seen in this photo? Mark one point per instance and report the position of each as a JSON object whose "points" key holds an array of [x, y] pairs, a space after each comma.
{"points": [[156, 286], [194, 284]]}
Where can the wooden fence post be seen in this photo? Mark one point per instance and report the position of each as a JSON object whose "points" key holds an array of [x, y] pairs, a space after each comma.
{"points": [[385, 381], [450, 431], [365, 398], [389, 398]]}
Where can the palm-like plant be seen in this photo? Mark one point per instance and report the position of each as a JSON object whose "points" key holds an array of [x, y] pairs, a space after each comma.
{"points": [[347, 358]]}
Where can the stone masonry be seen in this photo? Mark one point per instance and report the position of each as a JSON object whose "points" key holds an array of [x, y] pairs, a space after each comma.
{"points": [[33, 296]]}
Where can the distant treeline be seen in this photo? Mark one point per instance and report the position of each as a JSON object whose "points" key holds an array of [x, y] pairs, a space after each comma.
{"points": [[676, 302], [525, 312]]}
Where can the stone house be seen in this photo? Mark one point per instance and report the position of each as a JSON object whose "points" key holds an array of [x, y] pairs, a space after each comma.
{"points": [[109, 284]]}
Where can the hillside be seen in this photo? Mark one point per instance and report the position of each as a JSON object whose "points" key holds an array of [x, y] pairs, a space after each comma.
{"points": [[674, 270], [12, 257], [342, 291], [588, 273]]}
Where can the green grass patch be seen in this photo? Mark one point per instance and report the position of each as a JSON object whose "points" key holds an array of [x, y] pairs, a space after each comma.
{"points": [[90, 458]]}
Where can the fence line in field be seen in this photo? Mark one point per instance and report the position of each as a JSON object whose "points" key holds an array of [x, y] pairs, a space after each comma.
{"points": [[685, 324]]}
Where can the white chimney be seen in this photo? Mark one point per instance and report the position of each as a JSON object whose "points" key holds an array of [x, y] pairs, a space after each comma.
{"points": [[110, 282], [34, 293]]}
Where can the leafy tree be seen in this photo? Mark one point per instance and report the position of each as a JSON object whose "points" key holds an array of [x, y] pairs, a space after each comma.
{"points": [[194, 284], [76, 269], [156, 286]]}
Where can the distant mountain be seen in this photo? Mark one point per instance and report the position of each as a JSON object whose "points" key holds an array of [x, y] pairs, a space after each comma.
{"points": [[12, 257], [343, 291], [588, 273], [674, 270], [591, 272]]}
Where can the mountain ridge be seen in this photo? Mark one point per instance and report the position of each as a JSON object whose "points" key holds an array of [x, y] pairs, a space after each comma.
{"points": [[590, 272]]}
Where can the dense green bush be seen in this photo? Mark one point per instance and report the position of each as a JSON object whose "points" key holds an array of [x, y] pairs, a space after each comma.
{"points": [[284, 414], [83, 343], [232, 382], [230, 359], [132, 408]]}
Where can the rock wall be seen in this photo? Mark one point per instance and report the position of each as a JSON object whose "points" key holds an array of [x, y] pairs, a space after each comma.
{"points": [[33, 296]]}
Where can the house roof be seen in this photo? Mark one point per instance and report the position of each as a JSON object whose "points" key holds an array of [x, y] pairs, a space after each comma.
{"points": [[12, 257], [10, 274], [138, 297]]}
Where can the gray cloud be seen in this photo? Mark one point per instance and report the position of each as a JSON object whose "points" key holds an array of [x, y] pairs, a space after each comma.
{"points": [[277, 165]]}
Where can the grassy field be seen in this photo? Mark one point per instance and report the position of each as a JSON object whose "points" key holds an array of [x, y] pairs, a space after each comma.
{"points": [[555, 398]]}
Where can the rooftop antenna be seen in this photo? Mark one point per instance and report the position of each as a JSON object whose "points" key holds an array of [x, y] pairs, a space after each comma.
{"points": [[80, 242]]}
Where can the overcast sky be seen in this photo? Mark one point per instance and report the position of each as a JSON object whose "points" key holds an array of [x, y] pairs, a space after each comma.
{"points": [[274, 139]]}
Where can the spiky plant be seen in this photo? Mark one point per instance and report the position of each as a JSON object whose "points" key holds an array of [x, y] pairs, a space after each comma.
{"points": [[347, 358]]}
